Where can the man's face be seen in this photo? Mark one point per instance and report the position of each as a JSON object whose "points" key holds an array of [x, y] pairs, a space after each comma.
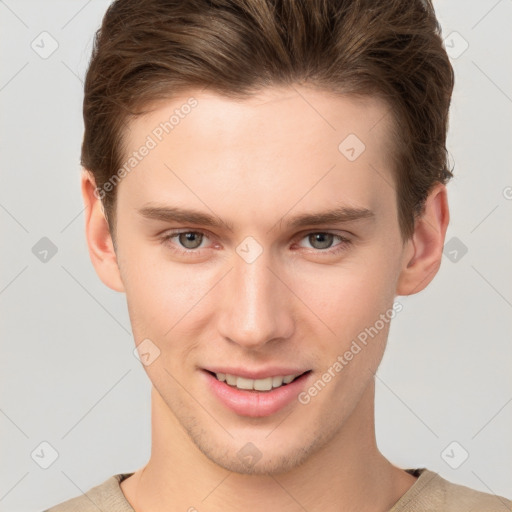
{"points": [[258, 293]]}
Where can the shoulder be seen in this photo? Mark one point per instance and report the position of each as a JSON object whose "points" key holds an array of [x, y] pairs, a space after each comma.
{"points": [[432, 493], [107, 497]]}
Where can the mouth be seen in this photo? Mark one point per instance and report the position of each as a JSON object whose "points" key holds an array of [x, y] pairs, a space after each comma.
{"points": [[260, 385], [256, 397]]}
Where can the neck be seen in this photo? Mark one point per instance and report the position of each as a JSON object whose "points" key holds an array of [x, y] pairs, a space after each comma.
{"points": [[345, 473]]}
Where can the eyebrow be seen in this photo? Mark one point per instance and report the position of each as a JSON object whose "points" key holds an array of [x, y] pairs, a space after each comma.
{"points": [[185, 215]]}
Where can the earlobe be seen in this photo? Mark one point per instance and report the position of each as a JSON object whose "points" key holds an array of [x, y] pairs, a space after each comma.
{"points": [[424, 251], [99, 240]]}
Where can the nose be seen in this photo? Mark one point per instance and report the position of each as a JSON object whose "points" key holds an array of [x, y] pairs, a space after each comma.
{"points": [[255, 305]]}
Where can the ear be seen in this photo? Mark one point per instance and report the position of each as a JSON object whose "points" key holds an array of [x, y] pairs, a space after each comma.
{"points": [[99, 240], [424, 251]]}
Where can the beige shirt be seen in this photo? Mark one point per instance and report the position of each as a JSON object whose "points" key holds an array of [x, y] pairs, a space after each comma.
{"points": [[430, 493]]}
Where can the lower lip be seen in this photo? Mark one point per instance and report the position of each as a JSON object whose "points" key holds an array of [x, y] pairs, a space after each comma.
{"points": [[256, 403]]}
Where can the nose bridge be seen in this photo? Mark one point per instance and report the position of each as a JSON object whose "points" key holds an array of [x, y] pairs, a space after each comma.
{"points": [[254, 309]]}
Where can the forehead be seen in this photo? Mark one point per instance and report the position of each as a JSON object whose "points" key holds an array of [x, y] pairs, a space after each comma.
{"points": [[297, 114], [276, 149], [297, 109]]}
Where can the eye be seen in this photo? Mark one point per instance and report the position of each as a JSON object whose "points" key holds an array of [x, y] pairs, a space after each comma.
{"points": [[188, 242], [190, 239], [323, 242]]}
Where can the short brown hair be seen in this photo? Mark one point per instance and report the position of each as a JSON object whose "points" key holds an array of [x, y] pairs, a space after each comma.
{"points": [[147, 50]]}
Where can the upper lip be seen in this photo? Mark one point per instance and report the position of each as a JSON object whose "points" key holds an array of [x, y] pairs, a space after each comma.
{"points": [[262, 373]]}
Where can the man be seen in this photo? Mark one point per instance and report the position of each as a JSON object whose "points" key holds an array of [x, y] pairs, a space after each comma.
{"points": [[263, 179]]}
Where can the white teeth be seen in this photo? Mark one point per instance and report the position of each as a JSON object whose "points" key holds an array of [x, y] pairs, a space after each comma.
{"points": [[243, 383], [257, 384], [277, 381], [262, 384], [231, 380]]}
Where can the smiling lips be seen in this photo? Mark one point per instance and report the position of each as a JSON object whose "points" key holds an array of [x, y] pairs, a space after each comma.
{"points": [[256, 394], [258, 380]]}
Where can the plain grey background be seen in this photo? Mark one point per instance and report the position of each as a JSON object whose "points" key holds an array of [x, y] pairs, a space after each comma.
{"points": [[68, 373]]}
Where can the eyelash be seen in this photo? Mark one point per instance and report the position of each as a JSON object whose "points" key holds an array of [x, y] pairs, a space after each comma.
{"points": [[344, 242]]}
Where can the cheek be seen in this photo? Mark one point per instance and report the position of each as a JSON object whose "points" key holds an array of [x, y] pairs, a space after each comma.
{"points": [[351, 296], [164, 298], [359, 311]]}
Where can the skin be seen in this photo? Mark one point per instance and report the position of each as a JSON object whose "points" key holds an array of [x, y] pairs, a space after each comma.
{"points": [[255, 164]]}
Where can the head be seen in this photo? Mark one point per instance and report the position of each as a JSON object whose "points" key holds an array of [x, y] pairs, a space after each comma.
{"points": [[255, 113]]}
